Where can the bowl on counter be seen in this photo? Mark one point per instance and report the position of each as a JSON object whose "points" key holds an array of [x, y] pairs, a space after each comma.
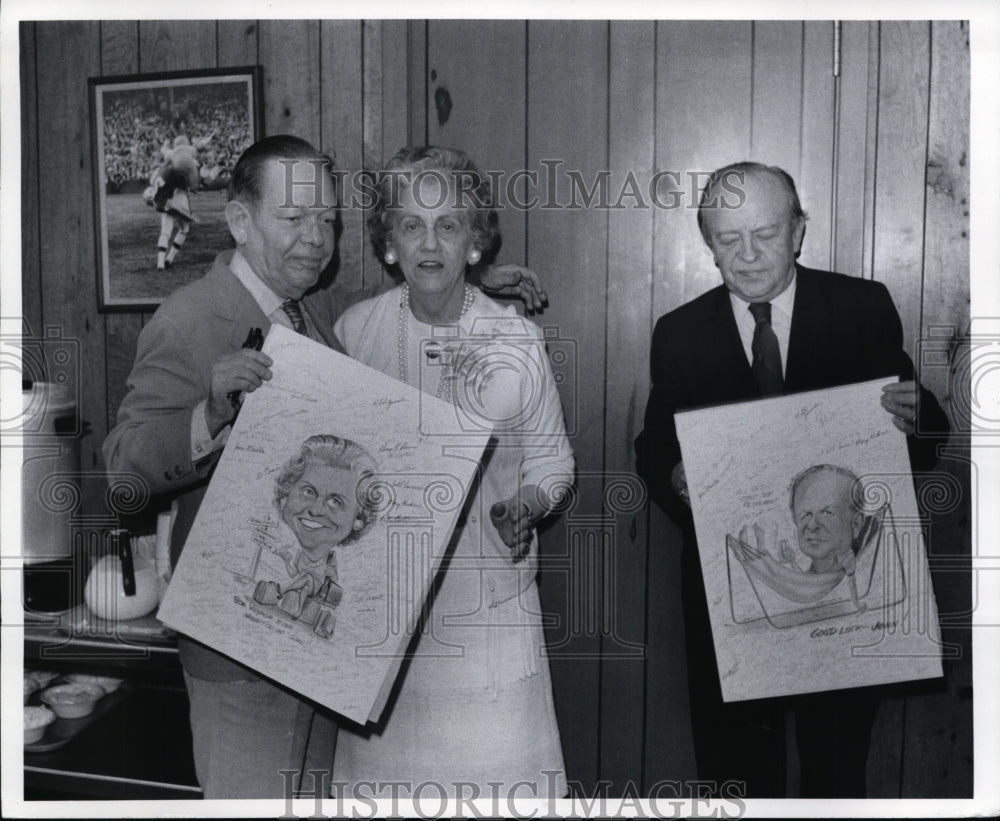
{"points": [[43, 677], [72, 700], [107, 683], [36, 719]]}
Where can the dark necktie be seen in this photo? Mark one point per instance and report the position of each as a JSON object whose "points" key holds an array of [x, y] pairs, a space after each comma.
{"points": [[294, 312], [766, 354]]}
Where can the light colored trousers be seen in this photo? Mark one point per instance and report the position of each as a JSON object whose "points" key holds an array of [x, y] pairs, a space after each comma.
{"points": [[246, 733]]}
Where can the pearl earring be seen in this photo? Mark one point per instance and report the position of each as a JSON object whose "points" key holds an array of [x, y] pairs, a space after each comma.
{"points": [[390, 256], [474, 256], [358, 524]]}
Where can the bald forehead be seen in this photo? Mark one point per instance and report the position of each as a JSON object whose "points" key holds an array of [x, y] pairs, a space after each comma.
{"points": [[760, 196], [827, 484], [298, 183]]}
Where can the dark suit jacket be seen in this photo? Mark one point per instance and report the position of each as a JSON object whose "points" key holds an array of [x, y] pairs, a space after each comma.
{"points": [[844, 330], [194, 328]]}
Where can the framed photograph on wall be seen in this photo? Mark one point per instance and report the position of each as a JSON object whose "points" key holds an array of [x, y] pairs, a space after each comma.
{"points": [[164, 149]]}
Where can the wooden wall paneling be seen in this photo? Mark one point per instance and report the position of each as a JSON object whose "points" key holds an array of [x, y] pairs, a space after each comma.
{"points": [[66, 215], [119, 47], [855, 156], [901, 167], [897, 260], [173, 45], [341, 125], [885, 757], [119, 55], [938, 730], [703, 122], [373, 156], [395, 90], [289, 53], [31, 281], [417, 81], [776, 126], [631, 147], [871, 156], [477, 68], [815, 182], [567, 120], [946, 217], [237, 42]]}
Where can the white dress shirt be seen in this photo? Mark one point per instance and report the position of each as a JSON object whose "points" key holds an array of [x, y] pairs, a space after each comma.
{"points": [[781, 321]]}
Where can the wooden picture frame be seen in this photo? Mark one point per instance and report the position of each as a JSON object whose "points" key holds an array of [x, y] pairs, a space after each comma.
{"points": [[164, 146]]}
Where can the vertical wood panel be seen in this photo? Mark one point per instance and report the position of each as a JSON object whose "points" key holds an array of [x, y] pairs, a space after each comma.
{"points": [[341, 125], [237, 42], [703, 97], [703, 114], [371, 117], [776, 128], [871, 158], [66, 213], [169, 45], [417, 82], [395, 64], [119, 55], [815, 182], [946, 218], [900, 167], [855, 149], [31, 281], [631, 144], [938, 760], [479, 66], [567, 120], [289, 50]]}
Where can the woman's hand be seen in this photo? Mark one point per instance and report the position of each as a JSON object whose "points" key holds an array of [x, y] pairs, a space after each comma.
{"points": [[513, 522], [510, 280]]}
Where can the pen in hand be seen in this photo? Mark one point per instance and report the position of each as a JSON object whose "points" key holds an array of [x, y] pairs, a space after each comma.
{"points": [[254, 341]]}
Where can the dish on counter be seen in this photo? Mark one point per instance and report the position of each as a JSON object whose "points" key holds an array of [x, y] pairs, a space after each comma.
{"points": [[72, 700], [36, 719], [107, 683], [43, 677]]}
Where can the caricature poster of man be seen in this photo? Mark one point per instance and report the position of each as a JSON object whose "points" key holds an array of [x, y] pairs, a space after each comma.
{"points": [[323, 526], [810, 543]]}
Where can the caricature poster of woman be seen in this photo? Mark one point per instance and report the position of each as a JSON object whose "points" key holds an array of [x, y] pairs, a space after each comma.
{"points": [[810, 542], [323, 526]]}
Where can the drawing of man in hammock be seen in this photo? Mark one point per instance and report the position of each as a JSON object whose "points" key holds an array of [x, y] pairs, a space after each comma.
{"points": [[832, 530]]}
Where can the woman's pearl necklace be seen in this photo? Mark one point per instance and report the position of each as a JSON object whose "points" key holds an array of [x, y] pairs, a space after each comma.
{"points": [[403, 341]]}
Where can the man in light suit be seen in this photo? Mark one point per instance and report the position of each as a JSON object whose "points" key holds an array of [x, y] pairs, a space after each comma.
{"points": [[176, 417], [772, 327]]}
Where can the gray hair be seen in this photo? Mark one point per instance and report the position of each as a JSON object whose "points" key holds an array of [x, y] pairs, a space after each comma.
{"points": [[335, 452]]}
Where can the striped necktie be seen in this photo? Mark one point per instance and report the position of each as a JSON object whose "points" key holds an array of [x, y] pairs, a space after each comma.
{"points": [[294, 312], [766, 353]]}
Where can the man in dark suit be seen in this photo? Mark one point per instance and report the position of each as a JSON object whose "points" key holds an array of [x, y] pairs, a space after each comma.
{"points": [[176, 417], [773, 327]]}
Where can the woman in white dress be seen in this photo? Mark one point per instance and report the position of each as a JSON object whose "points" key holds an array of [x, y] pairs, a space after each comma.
{"points": [[473, 710]]}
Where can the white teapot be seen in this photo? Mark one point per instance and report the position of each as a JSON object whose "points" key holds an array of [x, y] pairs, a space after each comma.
{"points": [[110, 591]]}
